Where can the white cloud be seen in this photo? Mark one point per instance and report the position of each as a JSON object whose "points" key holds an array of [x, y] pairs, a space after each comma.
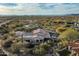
{"points": [[36, 9]]}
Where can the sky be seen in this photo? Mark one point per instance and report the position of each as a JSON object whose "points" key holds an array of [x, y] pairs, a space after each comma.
{"points": [[39, 8]]}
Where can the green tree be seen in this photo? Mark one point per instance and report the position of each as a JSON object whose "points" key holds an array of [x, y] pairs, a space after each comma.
{"points": [[39, 51], [67, 36], [70, 34]]}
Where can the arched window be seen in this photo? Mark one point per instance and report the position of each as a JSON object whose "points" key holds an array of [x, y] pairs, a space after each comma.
{"points": [[37, 40]]}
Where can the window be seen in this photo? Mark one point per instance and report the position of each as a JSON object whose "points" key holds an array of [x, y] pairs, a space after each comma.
{"points": [[28, 40], [40, 40], [37, 40]]}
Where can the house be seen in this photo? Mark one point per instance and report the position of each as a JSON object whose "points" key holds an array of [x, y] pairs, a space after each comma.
{"points": [[71, 23], [37, 35], [34, 37], [76, 25]]}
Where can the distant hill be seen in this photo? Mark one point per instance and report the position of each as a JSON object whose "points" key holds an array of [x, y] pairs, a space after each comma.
{"points": [[42, 15]]}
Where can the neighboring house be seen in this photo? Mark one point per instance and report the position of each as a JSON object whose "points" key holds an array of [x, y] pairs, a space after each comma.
{"points": [[76, 25], [74, 46], [36, 36]]}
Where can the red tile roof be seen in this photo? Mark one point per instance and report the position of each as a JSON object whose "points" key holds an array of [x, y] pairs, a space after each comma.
{"points": [[74, 46]]}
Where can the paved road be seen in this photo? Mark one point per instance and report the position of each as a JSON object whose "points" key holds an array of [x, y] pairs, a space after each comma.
{"points": [[7, 53], [3, 51]]}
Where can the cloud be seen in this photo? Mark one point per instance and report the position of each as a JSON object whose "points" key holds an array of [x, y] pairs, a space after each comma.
{"points": [[8, 4], [38, 8], [47, 5]]}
